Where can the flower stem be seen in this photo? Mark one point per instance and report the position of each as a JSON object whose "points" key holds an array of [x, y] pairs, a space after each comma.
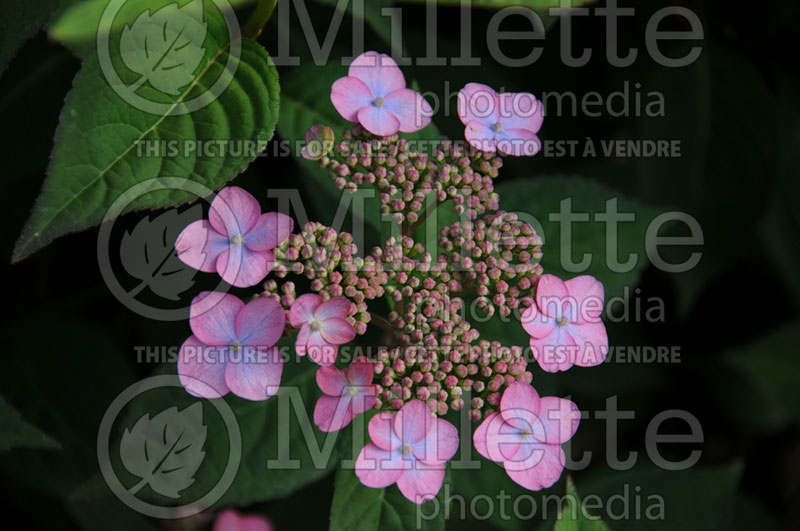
{"points": [[385, 324], [252, 29]]}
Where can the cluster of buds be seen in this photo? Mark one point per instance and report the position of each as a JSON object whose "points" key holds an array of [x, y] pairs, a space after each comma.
{"points": [[498, 257], [406, 178], [432, 353]]}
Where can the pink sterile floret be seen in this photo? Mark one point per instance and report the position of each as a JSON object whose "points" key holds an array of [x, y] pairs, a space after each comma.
{"points": [[230, 520], [374, 94], [323, 326], [565, 325], [410, 448], [508, 122], [526, 435], [347, 393], [232, 347], [236, 241]]}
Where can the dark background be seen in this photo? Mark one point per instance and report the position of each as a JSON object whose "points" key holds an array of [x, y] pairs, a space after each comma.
{"points": [[68, 343]]}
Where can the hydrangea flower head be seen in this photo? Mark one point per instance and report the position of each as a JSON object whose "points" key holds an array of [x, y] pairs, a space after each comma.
{"points": [[230, 520], [237, 239], [374, 94], [232, 347], [565, 325], [508, 122], [323, 326], [410, 448], [526, 435], [346, 393]]}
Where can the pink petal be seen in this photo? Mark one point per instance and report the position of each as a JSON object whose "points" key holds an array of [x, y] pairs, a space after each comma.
{"points": [[381, 431], [349, 95], [320, 351], [439, 445], [521, 110], [365, 399], [254, 523], [332, 413], [536, 466], [495, 439], [410, 108], [302, 310], [260, 323], [478, 103], [519, 405], [379, 73], [378, 121], [481, 137], [555, 352], [420, 484], [199, 245], [537, 324], [233, 211], [518, 142], [241, 267], [558, 420], [591, 340], [212, 317], [378, 468], [228, 520], [335, 307], [201, 369], [413, 422], [552, 296], [302, 340], [254, 374], [332, 381], [270, 231], [588, 294], [337, 331], [360, 371]]}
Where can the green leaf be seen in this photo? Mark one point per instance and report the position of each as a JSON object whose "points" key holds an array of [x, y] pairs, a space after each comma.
{"points": [[16, 433], [498, 4], [76, 26], [693, 499], [359, 508], [19, 21], [84, 180], [722, 178], [542, 196], [757, 386], [573, 516]]}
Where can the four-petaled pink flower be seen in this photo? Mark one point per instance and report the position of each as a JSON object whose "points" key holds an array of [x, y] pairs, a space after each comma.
{"points": [[232, 347], [230, 520], [374, 94], [565, 325], [347, 393], [526, 435], [508, 122], [236, 241], [409, 448], [323, 326]]}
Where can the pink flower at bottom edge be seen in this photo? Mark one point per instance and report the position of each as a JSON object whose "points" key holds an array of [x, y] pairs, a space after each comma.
{"points": [[410, 448], [230, 520], [526, 435], [347, 393]]}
